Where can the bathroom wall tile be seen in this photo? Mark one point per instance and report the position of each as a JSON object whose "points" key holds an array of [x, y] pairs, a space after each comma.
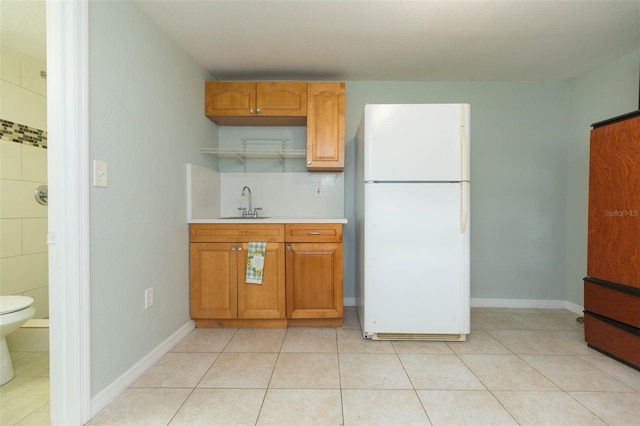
{"points": [[23, 106], [23, 273], [34, 235], [10, 237], [30, 76], [40, 298], [10, 160], [10, 63], [34, 163], [17, 200], [20, 133]]}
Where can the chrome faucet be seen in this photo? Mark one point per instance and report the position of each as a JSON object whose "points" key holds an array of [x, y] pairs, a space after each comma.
{"points": [[252, 212], [243, 193]]}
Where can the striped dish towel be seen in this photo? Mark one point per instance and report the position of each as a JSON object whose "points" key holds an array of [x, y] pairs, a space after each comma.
{"points": [[255, 262]]}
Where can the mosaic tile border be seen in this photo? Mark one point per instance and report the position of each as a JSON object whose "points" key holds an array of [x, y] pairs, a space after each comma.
{"points": [[20, 133]]}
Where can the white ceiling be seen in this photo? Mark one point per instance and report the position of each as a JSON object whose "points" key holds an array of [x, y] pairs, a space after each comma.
{"points": [[376, 40], [400, 40]]}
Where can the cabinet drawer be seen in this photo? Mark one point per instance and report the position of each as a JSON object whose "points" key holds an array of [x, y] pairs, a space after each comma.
{"points": [[612, 303], [218, 233], [319, 232], [605, 336]]}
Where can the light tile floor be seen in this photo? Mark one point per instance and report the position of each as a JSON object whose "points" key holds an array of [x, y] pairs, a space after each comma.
{"points": [[25, 399], [519, 366]]}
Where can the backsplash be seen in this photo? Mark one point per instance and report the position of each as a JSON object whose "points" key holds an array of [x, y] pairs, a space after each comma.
{"points": [[22, 134], [211, 194]]}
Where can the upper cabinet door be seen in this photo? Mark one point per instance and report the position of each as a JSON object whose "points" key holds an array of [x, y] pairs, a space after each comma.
{"points": [[256, 104], [281, 99], [235, 99], [325, 127]]}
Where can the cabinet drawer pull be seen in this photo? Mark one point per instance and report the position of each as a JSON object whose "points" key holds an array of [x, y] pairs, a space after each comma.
{"points": [[233, 248], [288, 248], [313, 233], [239, 248]]}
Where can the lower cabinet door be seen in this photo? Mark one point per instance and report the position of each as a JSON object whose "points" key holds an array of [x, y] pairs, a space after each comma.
{"points": [[214, 277], [314, 280], [267, 299]]}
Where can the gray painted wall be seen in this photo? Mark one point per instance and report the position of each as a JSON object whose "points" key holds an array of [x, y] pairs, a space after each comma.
{"points": [[603, 93], [518, 155], [146, 98], [147, 122]]}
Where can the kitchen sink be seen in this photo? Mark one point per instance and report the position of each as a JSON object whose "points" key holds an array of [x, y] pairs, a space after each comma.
{"points": [[245, 217]]}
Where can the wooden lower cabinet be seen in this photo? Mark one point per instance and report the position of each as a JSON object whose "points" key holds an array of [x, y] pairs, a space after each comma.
{"points": [[314, 280], [220, 295], [266, 300], [214, 290], [301, 284], [314, 274]]}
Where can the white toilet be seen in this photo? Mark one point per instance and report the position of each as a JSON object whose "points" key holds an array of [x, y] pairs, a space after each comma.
{"points": [[14, 311]]}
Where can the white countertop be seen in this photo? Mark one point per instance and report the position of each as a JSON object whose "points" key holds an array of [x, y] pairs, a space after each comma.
{"points": [[274, 220]]}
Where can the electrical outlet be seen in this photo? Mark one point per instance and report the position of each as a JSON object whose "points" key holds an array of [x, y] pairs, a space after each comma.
{"points": [[148, 298], [318, 191]]}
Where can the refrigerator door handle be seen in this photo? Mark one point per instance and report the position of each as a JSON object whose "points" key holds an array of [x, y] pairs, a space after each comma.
{"points": [[464, 210]]}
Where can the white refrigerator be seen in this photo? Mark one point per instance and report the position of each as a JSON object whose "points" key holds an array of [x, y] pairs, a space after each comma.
{"points": [[412, 222]]}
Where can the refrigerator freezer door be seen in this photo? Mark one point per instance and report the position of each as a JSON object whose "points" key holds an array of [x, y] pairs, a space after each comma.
{"points": [[416, 259], [419, 142]]}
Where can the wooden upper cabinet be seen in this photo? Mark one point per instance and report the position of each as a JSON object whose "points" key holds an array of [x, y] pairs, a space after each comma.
{"points": [[230, 99], [325, 126], [256, 104], [281, 99]]}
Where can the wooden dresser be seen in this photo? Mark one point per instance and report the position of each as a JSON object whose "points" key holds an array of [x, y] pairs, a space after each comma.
{"points": [[612, 285]]}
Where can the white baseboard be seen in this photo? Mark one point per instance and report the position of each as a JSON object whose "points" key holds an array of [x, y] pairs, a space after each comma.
{"points": [[110, 393], [527, 303], [510, 303]]}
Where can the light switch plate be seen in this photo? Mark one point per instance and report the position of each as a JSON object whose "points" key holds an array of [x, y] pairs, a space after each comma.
{"points": [[100, 173]]}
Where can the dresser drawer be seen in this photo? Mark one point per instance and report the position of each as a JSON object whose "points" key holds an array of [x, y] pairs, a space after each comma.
{"points": [[313, 233], [612, 301], [606, 336]]}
